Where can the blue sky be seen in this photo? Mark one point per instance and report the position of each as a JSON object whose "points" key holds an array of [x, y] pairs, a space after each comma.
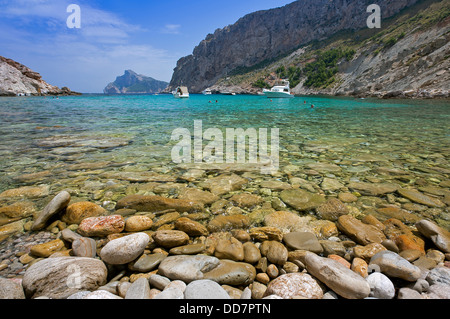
{"points": [[145, 36]]}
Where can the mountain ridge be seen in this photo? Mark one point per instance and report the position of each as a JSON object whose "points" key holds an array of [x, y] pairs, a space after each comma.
{"points": [[265, 35], [132, 83], [407, 58]]}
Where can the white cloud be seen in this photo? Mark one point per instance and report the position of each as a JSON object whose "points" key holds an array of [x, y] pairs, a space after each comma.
{"points": [[34, 32], [171, 29]]}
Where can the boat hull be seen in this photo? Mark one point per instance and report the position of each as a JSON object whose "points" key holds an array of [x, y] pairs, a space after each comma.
{"points": [[178, 96], [278, 95]]}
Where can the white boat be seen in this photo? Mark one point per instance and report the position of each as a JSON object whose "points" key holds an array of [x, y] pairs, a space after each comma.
{"points": [[207, 92], [227, 93], [280, 90], [181, 92]]}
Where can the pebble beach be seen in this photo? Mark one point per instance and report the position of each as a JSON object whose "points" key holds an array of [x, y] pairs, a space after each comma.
{"points": [[345, 217]]}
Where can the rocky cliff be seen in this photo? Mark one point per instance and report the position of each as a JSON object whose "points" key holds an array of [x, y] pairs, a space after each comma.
{"points": [[17, 79], [407, 57], [266, 35], [133, 83]]}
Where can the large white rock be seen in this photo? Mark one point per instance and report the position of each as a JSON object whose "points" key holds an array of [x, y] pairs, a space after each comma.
{"points": [[295, 285], [205, 289], [187, 268], [58, 278], [140, 289], [381, 286], [125, 249], [393, 265], [337, 277]]}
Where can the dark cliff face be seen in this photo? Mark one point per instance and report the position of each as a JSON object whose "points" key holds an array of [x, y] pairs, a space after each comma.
{"points": [[265, 35]]}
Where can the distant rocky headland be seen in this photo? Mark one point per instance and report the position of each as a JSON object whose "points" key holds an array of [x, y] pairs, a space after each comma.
{"points": [[325, 48], [17, 79], [133, 83]]}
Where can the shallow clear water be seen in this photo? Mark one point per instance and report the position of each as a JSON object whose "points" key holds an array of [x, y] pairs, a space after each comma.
{"points": [[49, 134]]}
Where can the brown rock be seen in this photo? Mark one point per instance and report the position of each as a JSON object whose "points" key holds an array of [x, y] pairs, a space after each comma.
{"points": [[272, 271], [303, 241], [418, 197], [27, 192], [240, 234], [328, 230], [143, 203], [233, 273], [360, 267], [347, 197], [332, 209], [46, 249], [398, 213], [372, 220], [101, 226], [368, 251], [191, 227], [358, 231], [340, 260], [138, 223], [246, 200], [224, 183], [192, 249], [407, 242], [275, 252], [251, 253], [229, 249], [166, 218], [221, 223], [170, 238], [395, 228], [301, 200], [76, 212], [373, 189], [16, 211], [266, 233], [194, 194]]}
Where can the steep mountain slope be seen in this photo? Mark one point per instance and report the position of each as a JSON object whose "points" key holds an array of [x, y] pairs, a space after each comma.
{"points": [[408, 57], [132, 83], [266, 35], [16, 78]]}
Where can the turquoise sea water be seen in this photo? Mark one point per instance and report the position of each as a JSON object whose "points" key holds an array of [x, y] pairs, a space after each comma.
{"points": [[45, 134]]}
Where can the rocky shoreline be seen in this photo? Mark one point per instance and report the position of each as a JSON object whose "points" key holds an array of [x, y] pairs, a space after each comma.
{"points": [[203, 245], [420, 94], [18, 80]]}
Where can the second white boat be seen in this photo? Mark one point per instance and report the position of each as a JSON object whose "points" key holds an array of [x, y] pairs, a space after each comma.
{"points": [[280, 90], [181, 92]]}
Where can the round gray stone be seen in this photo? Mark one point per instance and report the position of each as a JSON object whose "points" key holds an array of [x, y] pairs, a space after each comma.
{"points": [[125, 249], [380, 286], [393, 265], [205, 289], [303, 241]]}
